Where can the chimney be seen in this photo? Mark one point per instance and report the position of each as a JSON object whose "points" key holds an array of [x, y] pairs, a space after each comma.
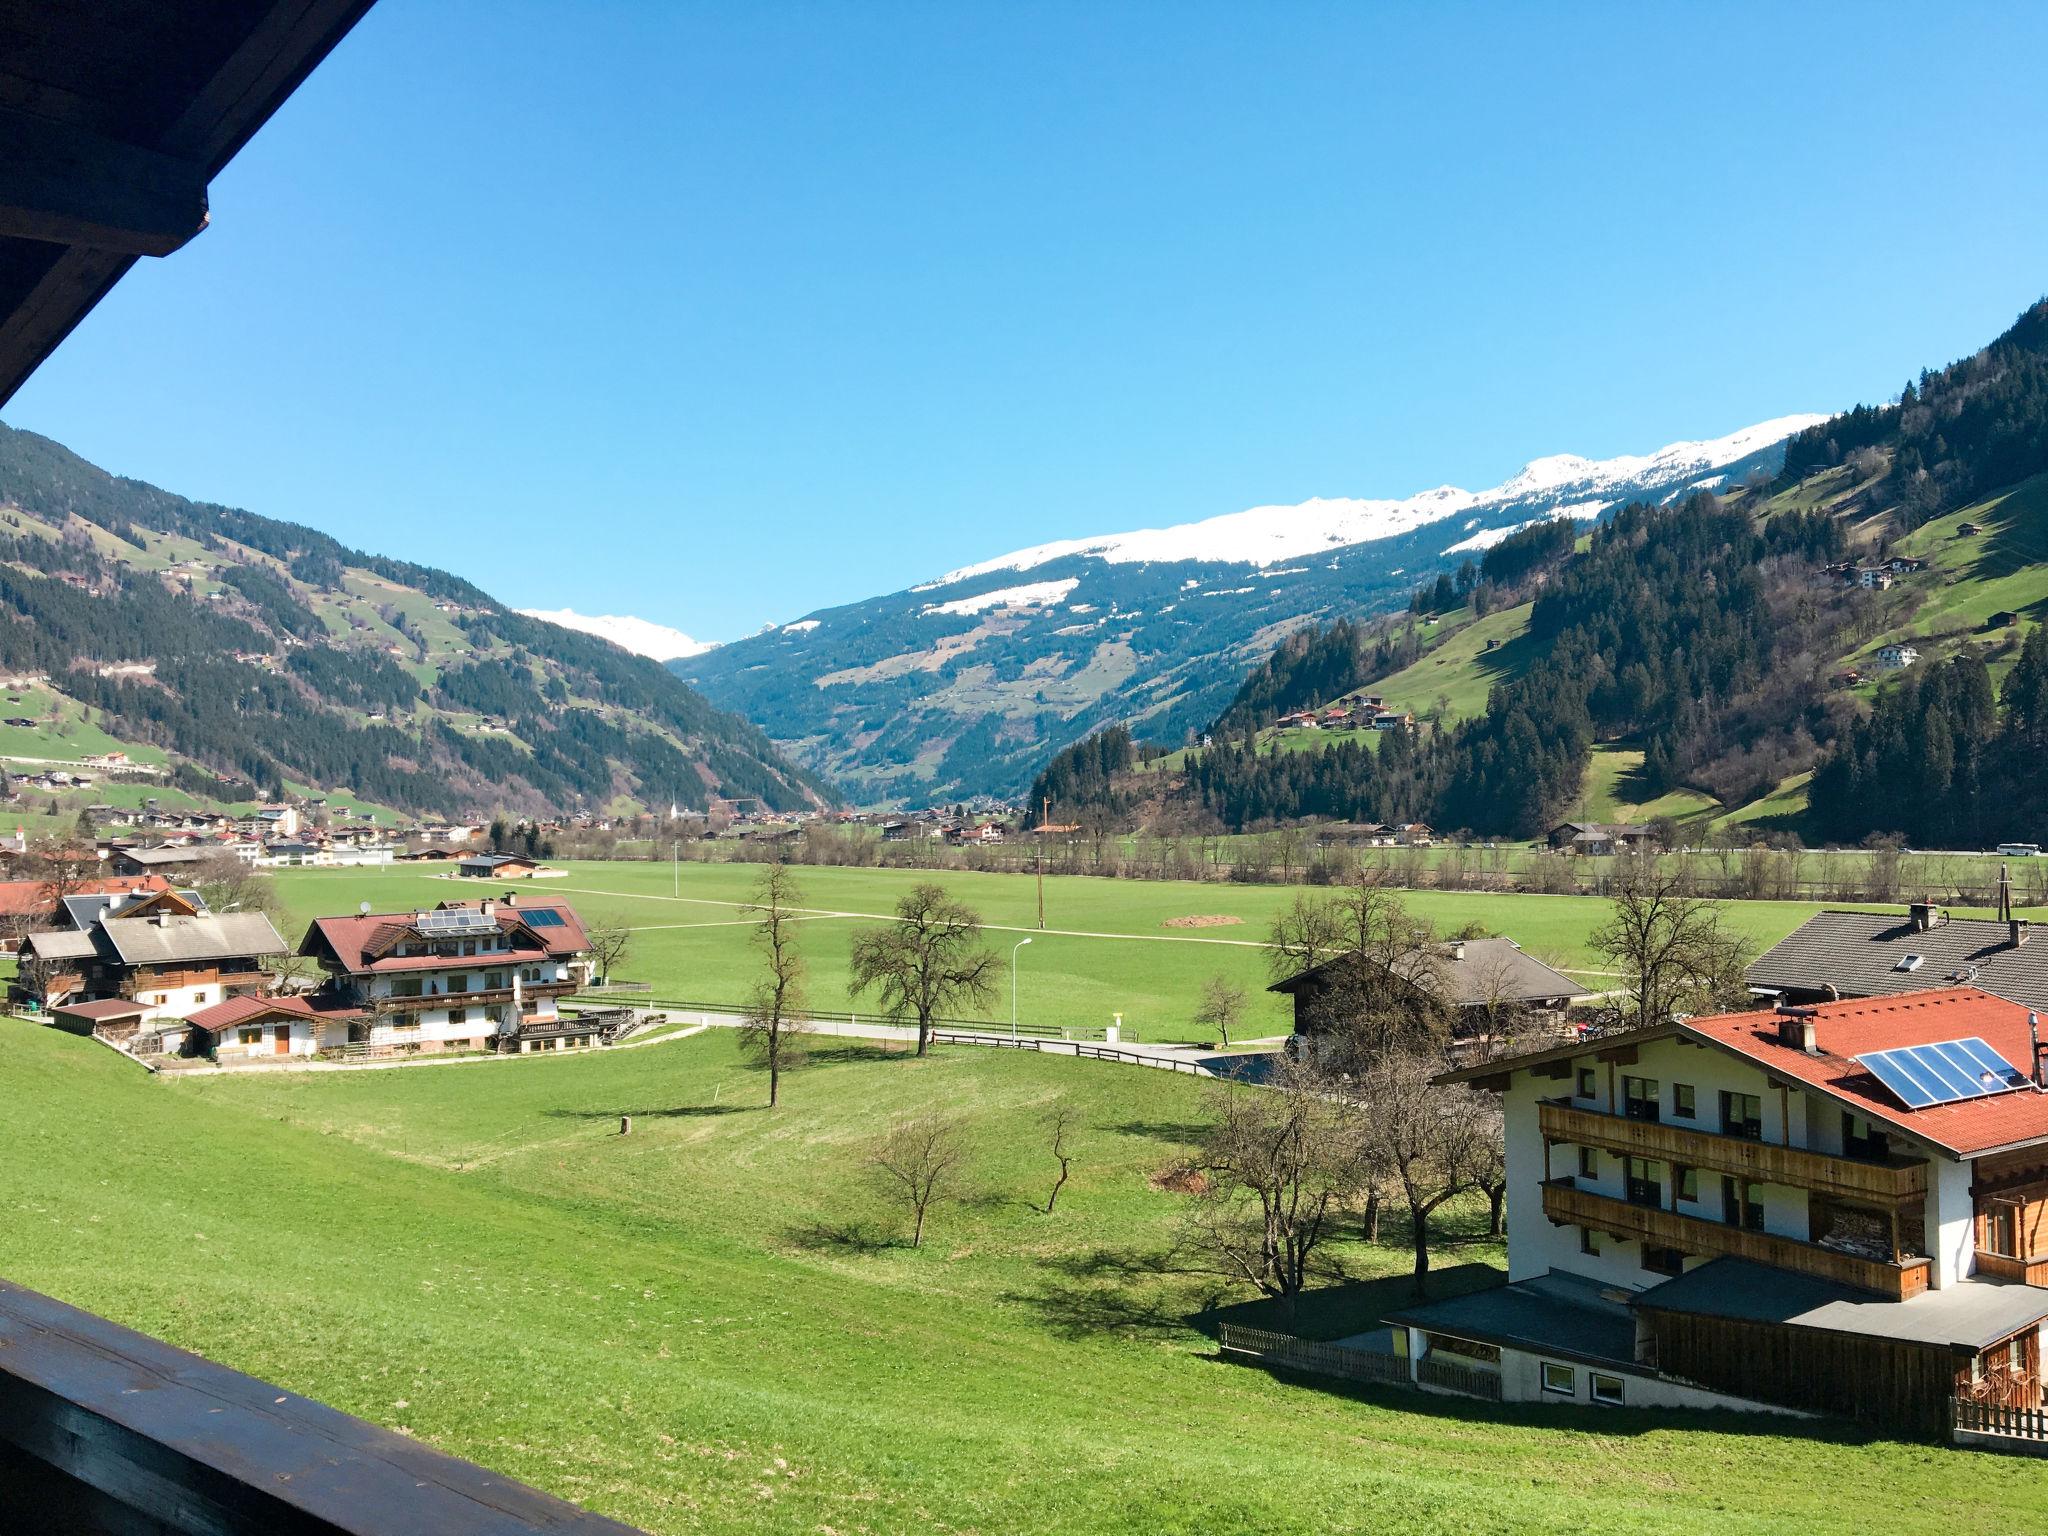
{"points": [[2016, 931], [1457, 949], [488, 906], [1796, 1029], [1926, 915], [511, 898]]}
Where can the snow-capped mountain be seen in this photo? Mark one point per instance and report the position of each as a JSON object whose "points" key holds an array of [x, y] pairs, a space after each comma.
{"points": [[643, 637], [1265, 536], [966, 683]]}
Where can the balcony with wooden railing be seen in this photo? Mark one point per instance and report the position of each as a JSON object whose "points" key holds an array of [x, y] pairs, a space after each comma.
{"points": [[1565, 1202], [1892, 1181], [2008, 1266], [474, 997], [136, 983]]}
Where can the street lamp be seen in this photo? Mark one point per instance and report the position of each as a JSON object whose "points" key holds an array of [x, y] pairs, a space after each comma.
{"points": [[1013, 985]]}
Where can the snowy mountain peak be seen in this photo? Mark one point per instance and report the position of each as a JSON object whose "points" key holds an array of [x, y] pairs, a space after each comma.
{"points": [[643, 637], [1264, 536]]}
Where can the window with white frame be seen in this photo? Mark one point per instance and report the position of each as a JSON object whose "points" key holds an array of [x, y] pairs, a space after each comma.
{"points": [[1560, 1380], [1608, 1390]]}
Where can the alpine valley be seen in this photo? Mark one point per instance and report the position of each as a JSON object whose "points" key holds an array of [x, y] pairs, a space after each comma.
{"points": [[966, 684]]}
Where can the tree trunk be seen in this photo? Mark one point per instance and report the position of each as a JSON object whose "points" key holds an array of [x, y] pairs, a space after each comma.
{"points": [[1057, 1185], [924, 1035], [1497, 1221], [917, 1229], [1420, 1217], [1372, 1217]]}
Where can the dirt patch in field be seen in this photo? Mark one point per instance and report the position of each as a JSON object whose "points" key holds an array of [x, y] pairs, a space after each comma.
{"points": [[1179, 1179], [1202, 920]]}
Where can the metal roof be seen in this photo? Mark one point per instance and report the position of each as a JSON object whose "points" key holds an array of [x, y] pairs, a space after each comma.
{"points": [[1966, 1317], [1475, 972], [1553, 1314]]}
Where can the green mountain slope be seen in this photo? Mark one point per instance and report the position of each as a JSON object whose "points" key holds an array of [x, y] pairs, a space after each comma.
{"points": [[248, 653]]}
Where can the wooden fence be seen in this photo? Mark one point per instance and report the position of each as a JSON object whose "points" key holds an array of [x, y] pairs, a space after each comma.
{"points": [[2028, 1424], [1469, 1380], [1284, 1349]]}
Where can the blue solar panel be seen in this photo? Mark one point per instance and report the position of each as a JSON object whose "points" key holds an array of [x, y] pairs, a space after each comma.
{"points": [[1947, 1072], [541, 917]]}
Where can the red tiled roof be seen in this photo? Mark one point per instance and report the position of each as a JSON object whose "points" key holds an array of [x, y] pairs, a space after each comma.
{"points": [[239, 1010], [1846, 1030], [359, 941], [30, 898]]}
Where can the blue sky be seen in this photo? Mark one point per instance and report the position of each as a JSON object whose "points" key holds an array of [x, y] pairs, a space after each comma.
{"points": [[718, 314]]}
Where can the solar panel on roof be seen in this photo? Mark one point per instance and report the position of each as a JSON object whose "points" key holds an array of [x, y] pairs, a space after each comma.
{"points": [[446, 922], [542, 917], [1947, 1072]]}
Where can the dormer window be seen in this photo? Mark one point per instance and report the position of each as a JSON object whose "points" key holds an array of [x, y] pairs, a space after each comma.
{"points": [[1910, 963]]}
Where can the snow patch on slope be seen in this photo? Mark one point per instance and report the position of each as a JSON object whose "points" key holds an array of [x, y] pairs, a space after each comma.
{"points": [[643, 637], [1037, 594], [1270, 535], [1583, 511]]}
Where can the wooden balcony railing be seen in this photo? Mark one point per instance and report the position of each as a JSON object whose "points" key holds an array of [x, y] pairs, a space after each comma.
{"points": [[2004, 1266], [138, 982], [1891, 1183], [475, 997], [1565, 1202]]}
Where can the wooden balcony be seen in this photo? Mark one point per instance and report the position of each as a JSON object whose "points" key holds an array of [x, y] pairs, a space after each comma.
{"points": [[1894, 1182], [1564, 1202], [475, 997], [2003, 1266]]}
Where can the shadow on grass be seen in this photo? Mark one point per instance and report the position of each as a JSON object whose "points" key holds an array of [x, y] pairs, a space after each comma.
{"points": [[1179, 1133], [673, 1112], [1349, 1307], [844, 1237], [1076, 1310]]}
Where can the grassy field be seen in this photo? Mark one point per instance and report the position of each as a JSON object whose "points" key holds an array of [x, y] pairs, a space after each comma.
{"points": [[709, 1325], [1107, 948]]}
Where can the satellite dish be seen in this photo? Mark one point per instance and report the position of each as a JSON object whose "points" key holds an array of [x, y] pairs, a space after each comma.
{"points": [[364, 908]]}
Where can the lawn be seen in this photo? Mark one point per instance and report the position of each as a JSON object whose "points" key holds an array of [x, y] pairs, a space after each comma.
{"points": [[1107, 950], [707, 1325]]}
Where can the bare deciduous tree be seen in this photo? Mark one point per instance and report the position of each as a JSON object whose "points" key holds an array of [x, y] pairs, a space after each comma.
{"points": [[1383, 983], [1278, 1165], [1059, 1130], [774, 1028], [929, 960], [1222, 1005], [918, 1161], [609, 943], [1420, 1140], [1670, 947], [1305, 934]]}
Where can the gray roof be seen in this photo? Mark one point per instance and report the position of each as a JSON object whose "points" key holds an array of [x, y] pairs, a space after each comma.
{"points": [[1553, 1314], [84, 911], [1858, 953], [63, 944], [1968, 1316], [226, 935], [149, 856], [1479, 971]]}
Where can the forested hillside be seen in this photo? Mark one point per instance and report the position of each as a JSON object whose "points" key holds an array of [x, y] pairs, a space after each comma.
{"points": [[1725, 647], [255, 651]]}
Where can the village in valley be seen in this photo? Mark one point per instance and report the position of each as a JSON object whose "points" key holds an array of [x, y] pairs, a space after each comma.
{"points": [[1345, 1003]]}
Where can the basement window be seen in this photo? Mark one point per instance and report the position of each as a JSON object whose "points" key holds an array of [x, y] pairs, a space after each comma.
{"points": [[1560, 1380], [1608, 1390]]}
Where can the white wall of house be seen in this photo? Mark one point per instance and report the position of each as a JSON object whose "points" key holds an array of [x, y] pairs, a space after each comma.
{"points": [[168, 1002], [435, 1026], [300, 1034], [1536, 1247]]}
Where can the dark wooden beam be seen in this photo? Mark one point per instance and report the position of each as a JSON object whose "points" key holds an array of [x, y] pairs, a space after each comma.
{"points": [[74, 186]]}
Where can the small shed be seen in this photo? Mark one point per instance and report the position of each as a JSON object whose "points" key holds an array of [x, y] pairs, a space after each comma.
{"points": [[118, 1018]]}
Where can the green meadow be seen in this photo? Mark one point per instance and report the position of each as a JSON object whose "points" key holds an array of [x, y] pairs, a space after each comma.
{"points": [[712, 1324], [1109, 946]]}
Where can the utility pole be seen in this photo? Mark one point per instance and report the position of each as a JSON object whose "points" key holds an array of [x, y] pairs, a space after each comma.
{"points": [[675, 867], [1045, 810]]}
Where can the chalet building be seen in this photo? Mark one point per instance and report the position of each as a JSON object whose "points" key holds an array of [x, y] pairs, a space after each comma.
{"points": [[167, 859], [1896, 658], [464, 976], [1880, 954], [496, 866], [1414, 834], [26, 905], [1481, 978], [1874, 579], [252, 1028], [162, 950], [1355, 834], [1599, 838], [1833, 1209]]}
